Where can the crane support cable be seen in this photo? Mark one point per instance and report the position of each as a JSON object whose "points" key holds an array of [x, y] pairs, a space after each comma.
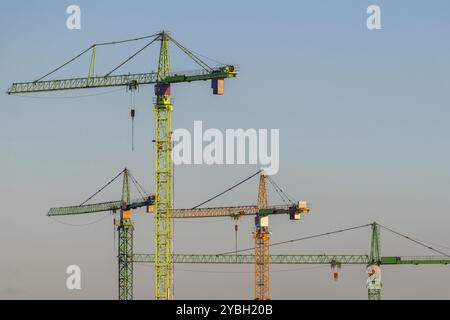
{"points": [[209, 58], [138, 186], [92, 46], [415, 241], [229, 189], [191, 55], [64, 64], [280, 192], [300, 239], [127, 40], [132, 56], [103, 188], [276, 186]]}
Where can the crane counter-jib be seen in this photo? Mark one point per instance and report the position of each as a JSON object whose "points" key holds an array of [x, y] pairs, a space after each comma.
{"points": [[414, 260]]}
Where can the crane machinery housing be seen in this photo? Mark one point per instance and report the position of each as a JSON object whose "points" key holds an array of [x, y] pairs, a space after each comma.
{"points": [[162, 79]]}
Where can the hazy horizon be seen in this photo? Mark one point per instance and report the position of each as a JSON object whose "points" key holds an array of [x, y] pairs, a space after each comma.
{"points": [[364, 136]]}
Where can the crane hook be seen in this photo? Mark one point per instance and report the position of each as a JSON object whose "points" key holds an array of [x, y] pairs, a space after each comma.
{"points": [[132, 87]]}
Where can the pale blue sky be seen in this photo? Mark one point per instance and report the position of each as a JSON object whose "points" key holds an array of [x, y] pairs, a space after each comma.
{"points": [[363, 118]]}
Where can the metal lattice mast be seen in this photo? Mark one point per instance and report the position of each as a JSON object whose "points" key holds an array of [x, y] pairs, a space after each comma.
{"points": [[262, 264], [262, 248], [262, 192], [374, 270], [125, 248], [163, 128], [162, 79]]}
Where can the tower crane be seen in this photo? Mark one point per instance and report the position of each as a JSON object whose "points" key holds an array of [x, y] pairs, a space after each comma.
{"points": [[261, 234], [125, 227], [162, 79], [372, 261]]}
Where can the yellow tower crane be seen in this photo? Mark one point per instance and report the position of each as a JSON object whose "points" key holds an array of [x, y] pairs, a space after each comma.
{"points": [[162, 79], [261, 235]]}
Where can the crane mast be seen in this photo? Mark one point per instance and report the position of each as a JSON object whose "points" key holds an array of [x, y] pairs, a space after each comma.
{"points": [[374, 269], [125, 244], [162, 79], [125, 229], [261, 234], [261, 238], [163, 131], [373, 261]]}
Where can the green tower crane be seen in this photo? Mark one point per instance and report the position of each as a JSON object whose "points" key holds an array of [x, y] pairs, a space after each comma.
{"points": [[125, 228], [374, 270], [162, 79], [372, 260]]}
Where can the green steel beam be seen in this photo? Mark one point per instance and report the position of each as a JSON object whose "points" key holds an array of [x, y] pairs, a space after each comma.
{"points": [[375, 244], [89, 208], [120, 80], [125, 259], [374, 282], [125, 247], [361, 259], [99, 207], [249, 259], [414, 260], [163, 176]]}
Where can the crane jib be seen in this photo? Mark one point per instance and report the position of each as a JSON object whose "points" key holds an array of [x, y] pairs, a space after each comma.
{"points": [[118, 80]]}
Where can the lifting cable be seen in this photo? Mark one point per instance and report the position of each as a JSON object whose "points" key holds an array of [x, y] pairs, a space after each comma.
{"points": [[229, 189], [300, 239], [92, 46], [132, 112], [104, 187], [415, 241]]}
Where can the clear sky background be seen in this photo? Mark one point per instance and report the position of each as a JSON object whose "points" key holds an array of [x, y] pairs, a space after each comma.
{"points": [[363, 118]]}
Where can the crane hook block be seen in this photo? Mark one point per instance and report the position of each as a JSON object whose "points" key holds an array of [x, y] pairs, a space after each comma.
{"points": [[133, 113]]}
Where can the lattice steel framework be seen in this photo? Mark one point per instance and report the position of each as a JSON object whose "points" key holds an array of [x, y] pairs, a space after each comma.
{"points": [[163, 108], [163, 130], [374, 282], [125, 246], [125, 258], [262, 264]]}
